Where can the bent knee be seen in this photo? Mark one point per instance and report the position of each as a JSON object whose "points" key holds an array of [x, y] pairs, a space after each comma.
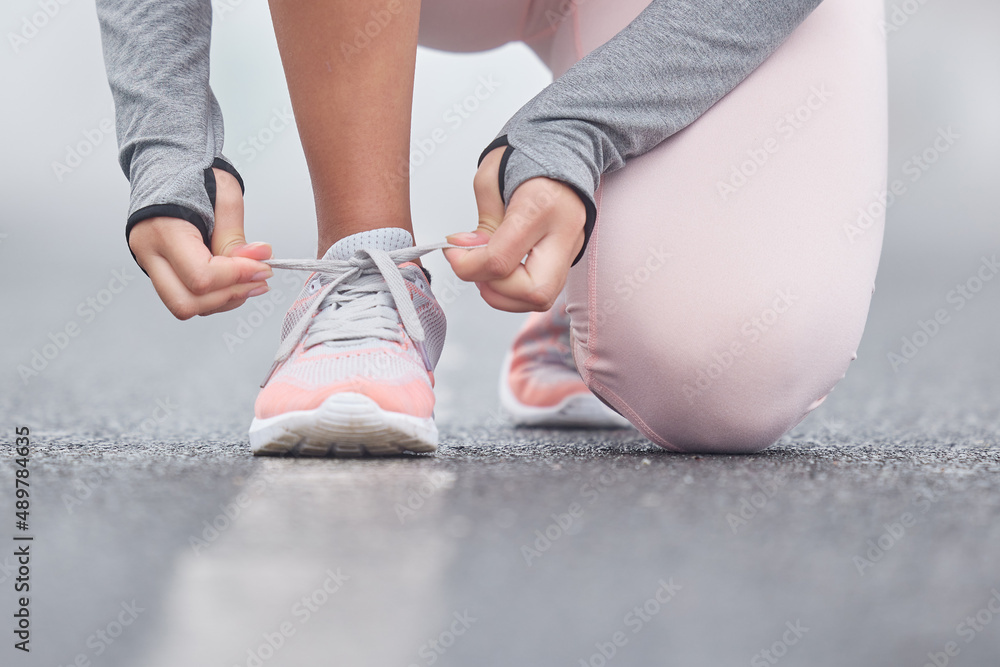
{"points": [[733, 426], [718, 402]]}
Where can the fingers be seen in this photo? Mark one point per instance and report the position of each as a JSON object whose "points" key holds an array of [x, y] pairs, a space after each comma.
{"points": [[489, 202], [536, 284], [504, 252], [538, 209], [500, 301], [184, 304], [544, 223], [534, 213], [202, 273], [233, 304], [187, 277], [192, 279]]}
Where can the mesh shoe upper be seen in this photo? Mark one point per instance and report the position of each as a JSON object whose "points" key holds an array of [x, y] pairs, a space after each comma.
{"points": [[359, 337]]}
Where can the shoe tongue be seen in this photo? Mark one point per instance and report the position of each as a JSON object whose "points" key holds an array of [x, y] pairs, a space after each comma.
{"points": [[386, 238]]}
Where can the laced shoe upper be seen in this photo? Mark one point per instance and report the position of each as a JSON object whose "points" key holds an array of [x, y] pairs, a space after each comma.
{"points": [[366, 321]]}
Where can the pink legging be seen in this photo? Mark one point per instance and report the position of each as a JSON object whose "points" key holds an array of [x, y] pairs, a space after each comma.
{"points": [[726, 285]]}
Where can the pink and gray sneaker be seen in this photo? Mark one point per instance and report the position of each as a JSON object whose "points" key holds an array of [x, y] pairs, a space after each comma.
{"points": [[539, 383], [354, 372]]}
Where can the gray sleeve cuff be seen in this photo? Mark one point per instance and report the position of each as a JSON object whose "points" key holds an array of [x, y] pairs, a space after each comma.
{"points": [[184, 212], [169, 125], [516, 167], [552, 158]]}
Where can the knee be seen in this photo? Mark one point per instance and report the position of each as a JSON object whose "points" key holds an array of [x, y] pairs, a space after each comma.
{"points": [[713, 397], [730, 422]]}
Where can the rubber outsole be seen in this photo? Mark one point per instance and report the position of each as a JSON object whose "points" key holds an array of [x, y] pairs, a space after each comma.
{"points": [[576, 411], [345, 425]]}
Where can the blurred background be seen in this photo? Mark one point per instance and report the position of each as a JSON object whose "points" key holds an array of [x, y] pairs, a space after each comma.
{"points": [[64, 197], [144, 417], [71, 217]]}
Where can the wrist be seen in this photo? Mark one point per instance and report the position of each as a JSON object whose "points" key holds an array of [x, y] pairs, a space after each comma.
{"points": [[518, 166]]}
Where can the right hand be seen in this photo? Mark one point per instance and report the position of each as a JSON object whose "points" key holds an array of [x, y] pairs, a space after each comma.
{"points": [[544, 223], [189, 278]]}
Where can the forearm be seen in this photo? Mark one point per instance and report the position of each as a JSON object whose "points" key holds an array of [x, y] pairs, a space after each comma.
{"points": [[655, 77], [169, 125]]}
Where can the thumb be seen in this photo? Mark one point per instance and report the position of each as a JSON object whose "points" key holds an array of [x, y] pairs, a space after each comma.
{"points": [[491, 211], [489, 200], [227, 238], [258, 251]]}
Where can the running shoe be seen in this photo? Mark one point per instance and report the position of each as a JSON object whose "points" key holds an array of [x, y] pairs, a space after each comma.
{"points": [[354, 372], [540, 384]]}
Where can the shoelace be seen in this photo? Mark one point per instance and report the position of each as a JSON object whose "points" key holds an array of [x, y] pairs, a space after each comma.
{"points": [[354, 303]]}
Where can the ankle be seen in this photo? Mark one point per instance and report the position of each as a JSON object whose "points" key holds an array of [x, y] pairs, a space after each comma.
{"points": [[328, 237]]}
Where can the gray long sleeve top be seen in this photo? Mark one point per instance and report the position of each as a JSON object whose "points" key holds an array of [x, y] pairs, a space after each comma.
{"points": [[655, 77], [168, 121]]}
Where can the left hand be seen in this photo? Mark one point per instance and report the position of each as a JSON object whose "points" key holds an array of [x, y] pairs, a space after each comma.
{"points": [[544, 221]]}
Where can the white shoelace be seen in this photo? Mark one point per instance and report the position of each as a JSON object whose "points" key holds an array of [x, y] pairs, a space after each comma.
{"points": [[355, 303]]}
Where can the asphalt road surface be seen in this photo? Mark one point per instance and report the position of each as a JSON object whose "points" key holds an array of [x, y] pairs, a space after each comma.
{"points": [[867, 536]]}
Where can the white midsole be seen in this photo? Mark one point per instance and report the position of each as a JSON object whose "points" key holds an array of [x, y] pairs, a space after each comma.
{"points": [[344, 423]]}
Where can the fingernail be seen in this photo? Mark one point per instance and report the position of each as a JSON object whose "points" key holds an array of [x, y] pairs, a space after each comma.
{"points": [[258, 244], [258, 291], [465, 237], [261, 275]]}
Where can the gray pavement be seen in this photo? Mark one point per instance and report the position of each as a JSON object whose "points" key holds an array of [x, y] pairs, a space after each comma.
{"points": [[871, 529]]}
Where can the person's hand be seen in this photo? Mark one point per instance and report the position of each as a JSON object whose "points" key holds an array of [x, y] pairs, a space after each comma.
{"points": [[544, 221], [189, 278]]}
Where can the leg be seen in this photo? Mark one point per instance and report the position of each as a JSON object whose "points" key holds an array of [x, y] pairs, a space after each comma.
{"points": [[352, 102], [728, 281], [354, 370]]}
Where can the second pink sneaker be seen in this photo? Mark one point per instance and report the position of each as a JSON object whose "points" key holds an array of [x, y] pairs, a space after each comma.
{"points": [[539, 382]]}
